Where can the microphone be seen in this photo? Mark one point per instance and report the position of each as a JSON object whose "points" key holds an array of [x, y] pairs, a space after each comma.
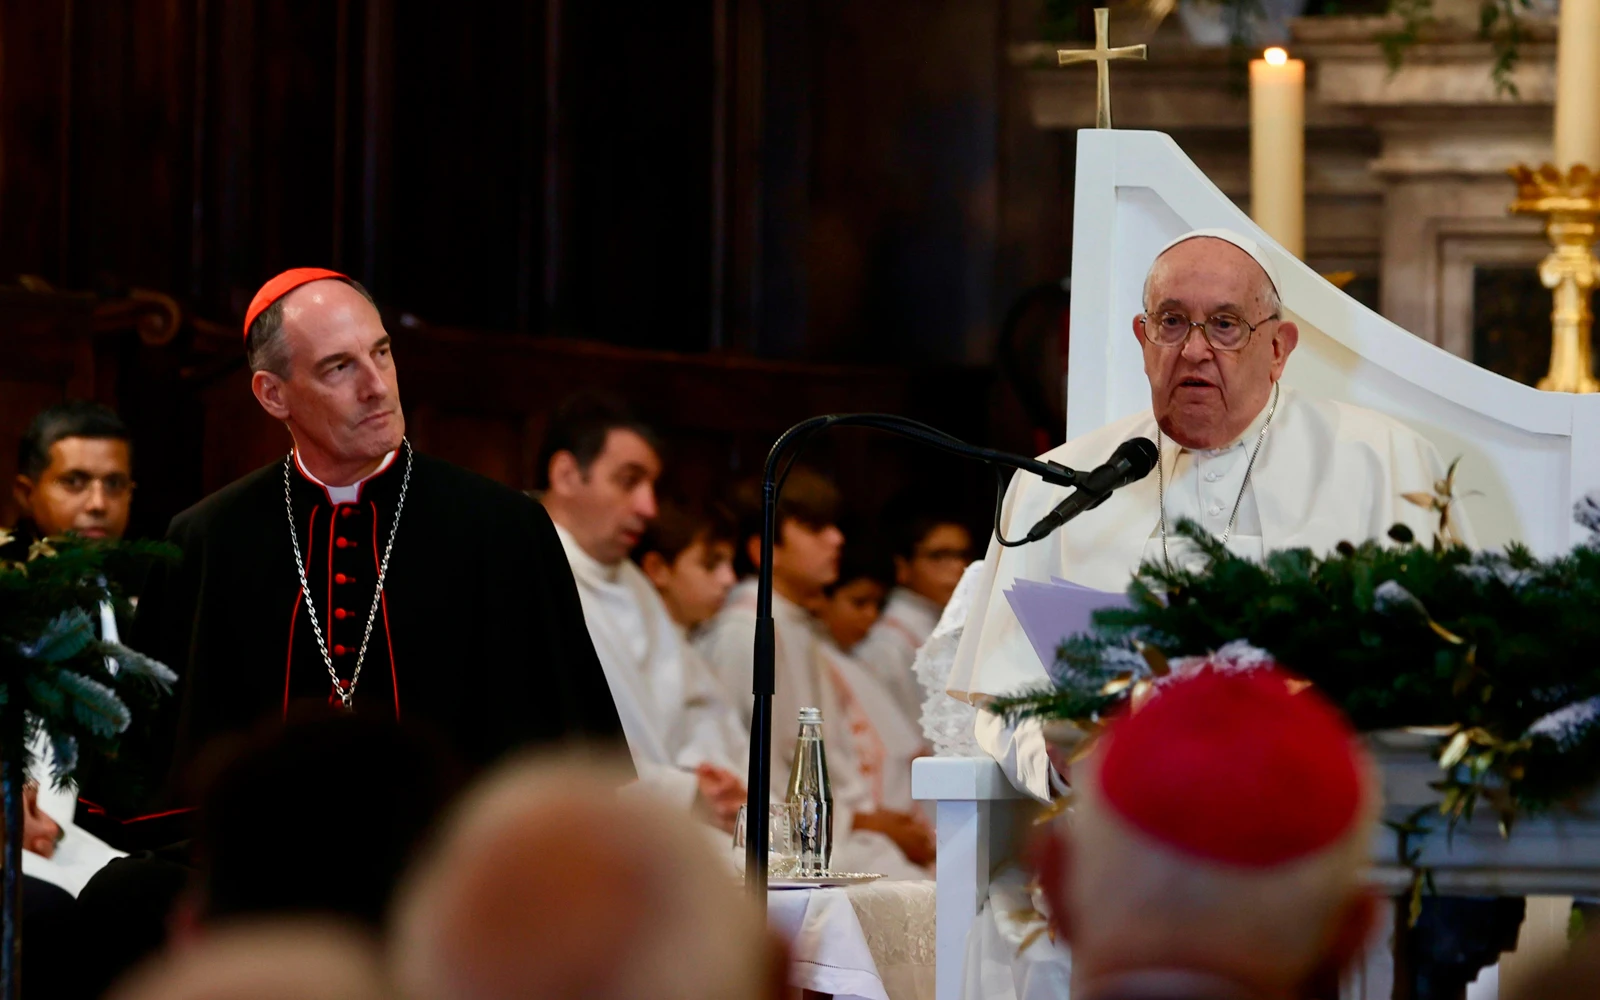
{"points": [[1131, 462]]}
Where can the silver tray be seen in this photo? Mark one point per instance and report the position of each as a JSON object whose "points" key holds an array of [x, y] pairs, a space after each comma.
{"points": [[820, 880]]}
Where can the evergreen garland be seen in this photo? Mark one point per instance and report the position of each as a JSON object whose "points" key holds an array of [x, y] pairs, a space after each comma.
{"points": [[54, 672], [1496, 649]]}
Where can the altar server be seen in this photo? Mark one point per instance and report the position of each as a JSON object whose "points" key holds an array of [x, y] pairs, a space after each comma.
{"points": [[687, 738], [883, 741], [687, 553], [930, 553], [1217, 846], [1261, 466], [360, 572], [805, 561]]}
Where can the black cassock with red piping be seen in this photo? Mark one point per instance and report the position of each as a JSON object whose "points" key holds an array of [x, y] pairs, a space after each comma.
{"points": [[479, 634]]}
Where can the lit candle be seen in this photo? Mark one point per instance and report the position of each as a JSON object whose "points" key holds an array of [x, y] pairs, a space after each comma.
{"points": [[1578, 84], [1278, 147]]}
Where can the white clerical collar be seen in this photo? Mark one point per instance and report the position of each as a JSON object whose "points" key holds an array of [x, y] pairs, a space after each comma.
{"points": [[345, 494], [1247, 436], [582, 562]]}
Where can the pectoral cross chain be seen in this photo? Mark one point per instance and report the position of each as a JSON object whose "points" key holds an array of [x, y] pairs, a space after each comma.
{"points": [[1101, 56]]}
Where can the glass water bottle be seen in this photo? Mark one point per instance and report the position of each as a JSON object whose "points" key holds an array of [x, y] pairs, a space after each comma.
{"points": [[810, 798]]}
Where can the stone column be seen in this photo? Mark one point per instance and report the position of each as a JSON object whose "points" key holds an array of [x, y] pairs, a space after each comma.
{"points": [[1446, 139]]}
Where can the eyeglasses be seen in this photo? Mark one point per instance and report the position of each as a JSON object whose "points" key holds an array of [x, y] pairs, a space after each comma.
{"points": [[1223, 331]]}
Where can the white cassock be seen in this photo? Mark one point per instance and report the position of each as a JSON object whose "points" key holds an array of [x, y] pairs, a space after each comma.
{"points": [[884, 742], [891, 647], [674, 714], [1327, 472], [801, 673]]}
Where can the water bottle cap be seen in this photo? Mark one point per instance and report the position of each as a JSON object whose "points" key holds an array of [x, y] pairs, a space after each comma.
{"points": [[810, 715]]}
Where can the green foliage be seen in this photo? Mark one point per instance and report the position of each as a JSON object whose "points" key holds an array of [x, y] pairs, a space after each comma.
{"points": [[1404, 634], [54, 676], [1499, 22]]}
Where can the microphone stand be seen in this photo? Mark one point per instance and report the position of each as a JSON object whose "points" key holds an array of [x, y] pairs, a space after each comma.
{"points": [[764, 680]]}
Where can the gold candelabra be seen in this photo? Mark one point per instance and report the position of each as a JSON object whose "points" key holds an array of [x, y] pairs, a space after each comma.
{"points": [[1570, 202]]}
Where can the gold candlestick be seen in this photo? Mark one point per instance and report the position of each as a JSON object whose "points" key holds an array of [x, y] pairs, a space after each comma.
{"points": [[1570, 201]]}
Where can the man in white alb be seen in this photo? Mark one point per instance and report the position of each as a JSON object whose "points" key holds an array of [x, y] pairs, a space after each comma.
{"points": [[687, 739], [1259, 465]]}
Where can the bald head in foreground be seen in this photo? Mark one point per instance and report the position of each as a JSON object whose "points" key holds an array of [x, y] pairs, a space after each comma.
{"points": [[1258, 465], [546, 885], [1217, 845], [279, 960]]}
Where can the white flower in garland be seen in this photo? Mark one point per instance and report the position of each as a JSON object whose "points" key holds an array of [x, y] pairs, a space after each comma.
{"points": [[1234, 657], [1486, 566], [1391, 597], [1566, 727], [1587, 513], [1114, 660]]}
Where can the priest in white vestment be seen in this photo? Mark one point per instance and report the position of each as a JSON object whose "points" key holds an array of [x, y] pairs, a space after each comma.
{"points": [[686, 737], [1257, 464]]}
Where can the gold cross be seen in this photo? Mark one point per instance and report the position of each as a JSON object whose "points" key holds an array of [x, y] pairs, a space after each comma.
{"points": [[1101, 56]]}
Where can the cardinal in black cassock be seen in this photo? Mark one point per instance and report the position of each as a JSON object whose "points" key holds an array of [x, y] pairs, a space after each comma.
{"points": [[477, 631]]}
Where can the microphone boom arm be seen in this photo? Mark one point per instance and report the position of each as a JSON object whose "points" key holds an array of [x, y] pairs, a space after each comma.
{"points": [[763, 680]]}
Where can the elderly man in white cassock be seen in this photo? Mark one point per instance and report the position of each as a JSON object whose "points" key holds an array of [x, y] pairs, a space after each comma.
{"points": [[686, 736], [1259, 465]]}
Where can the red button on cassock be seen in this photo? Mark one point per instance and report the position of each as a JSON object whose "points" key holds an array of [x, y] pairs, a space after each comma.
{"points": [[340, 613], [340, 578], [342, 542], [347, 511], [339, 651]]}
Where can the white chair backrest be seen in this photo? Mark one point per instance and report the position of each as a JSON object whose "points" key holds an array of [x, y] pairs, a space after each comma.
{"points": [[1531, 454]]}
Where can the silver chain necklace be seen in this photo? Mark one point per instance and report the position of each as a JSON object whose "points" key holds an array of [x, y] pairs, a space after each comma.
{"points": [[1233, 520], [347, 693]]}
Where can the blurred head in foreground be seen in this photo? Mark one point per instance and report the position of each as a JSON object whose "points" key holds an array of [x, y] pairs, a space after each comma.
{"points": [[1217, 844], [318, 815], [544, 869], [288, 960]]}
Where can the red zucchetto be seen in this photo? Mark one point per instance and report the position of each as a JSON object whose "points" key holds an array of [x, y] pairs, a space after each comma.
{"points": [[1235, 767], [282, 285]]}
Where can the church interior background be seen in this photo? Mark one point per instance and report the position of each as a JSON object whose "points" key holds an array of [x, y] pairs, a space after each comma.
{"points": [[736, 213]]}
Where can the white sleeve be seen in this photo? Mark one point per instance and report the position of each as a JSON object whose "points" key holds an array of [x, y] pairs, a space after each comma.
{"points": [[675, 787], [714, 732], [994, 656]]}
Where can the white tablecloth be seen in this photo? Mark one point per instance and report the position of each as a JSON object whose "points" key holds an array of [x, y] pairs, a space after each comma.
{"points": [[865, 942]]}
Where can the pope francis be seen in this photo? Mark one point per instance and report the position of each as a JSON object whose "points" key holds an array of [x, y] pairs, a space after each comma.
{"points": [[1259, 465]]}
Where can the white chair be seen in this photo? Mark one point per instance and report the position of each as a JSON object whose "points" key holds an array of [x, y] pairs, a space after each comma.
{"points": [[1531, 454]]}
